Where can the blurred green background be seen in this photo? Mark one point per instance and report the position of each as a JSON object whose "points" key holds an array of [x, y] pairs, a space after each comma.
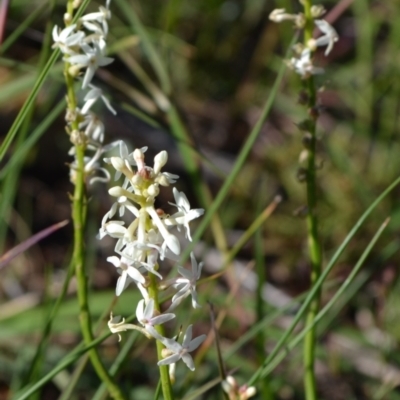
{"points": [[222, 57]]}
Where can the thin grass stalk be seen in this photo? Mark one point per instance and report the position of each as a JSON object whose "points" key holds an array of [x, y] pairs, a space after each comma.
{"points": [[314, 244], [349, 280], [240, 160], [11, 180], [317, 287], [35, 91], [261, 306]]}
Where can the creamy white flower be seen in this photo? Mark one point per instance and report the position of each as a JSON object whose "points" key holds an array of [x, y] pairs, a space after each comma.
{"points": [[94, 128], [66, 39], [184, 214], [92, 59], [303, 64], [171, 241], [145, 316], [126, 268], [92, 96], [175, 351], [328, 38], [279, 15], [92, 165], [187, 284], [116, 325], [101, 16], [236, 392]]}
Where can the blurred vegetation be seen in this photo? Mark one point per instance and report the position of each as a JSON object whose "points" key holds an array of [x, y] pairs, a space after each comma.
{"points": [[222, 57]]}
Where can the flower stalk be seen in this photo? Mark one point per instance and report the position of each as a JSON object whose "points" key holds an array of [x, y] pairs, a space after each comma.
{"points": [[314, 244], [303, 64], [79, 203]]}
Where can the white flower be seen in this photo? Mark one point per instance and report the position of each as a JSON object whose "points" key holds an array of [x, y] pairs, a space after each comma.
{"points": [[280, 15], [303, 64], [116, 325], [328, 38], [236, 392], [145, 316], [101, 17], [92, 96], [187, 284], [92, 59], [92, 164], [94, 128], [128, 272], [184, 214], [170, 240], [65, 39], [127, 158], [176, 351], [139, 251]]}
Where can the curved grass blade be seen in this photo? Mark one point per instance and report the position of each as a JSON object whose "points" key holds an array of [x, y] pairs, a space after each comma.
{"points": [[155, 60], [271, 366], [241, 158], [33, 138], [25, 245], [21, 28], [321, 280], [35, 91]]}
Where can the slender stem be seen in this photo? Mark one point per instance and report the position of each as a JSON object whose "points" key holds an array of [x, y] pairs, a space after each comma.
{"points": [[312, 223], [79, 202], [164, 375]]}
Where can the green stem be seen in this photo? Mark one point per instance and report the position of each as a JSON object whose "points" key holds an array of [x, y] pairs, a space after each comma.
{"points": [[79, 219], [164, 375], [79, 202], [312, 224]]}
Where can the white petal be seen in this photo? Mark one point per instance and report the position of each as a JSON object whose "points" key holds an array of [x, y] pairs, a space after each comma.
{"points": [[169, 360], [188, 360], [195, 343], [135, 275], [121, 284]]}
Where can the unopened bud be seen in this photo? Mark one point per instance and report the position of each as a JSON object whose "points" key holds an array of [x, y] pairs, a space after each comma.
{"points": [[280, 15], [117, 163], [163, 180], [138, 156], [159, 161], [74, 70], [67, 18], [317, 11], [116, 191], [153, 190]]}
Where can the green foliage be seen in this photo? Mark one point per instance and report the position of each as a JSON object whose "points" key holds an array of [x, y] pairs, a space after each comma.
{"points": [[206, 81]]}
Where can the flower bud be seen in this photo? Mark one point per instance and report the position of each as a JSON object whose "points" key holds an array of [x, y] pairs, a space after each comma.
{"points": [[116, 191], [74, 70], [317, 11], [159, 161], [117, 163], [67, 18], [138, 156], [163, 180], [153, 190]]}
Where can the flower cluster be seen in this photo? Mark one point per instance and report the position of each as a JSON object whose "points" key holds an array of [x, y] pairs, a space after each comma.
{"points": [[147, 238], [236, 392], [83, 45], [302, 62]]}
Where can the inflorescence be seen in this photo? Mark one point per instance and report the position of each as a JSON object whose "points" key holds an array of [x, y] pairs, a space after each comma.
{"points": [[149, 237], [302, 62]]}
